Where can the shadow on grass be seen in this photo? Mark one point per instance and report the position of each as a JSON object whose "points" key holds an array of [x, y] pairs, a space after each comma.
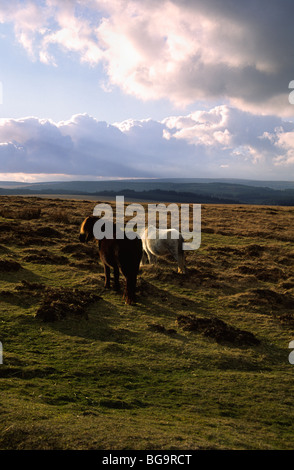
{"points": [[100, 323], [18, 275]]}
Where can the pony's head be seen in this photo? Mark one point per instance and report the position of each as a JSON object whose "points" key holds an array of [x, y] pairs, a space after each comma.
{"points": [[86, 230]]}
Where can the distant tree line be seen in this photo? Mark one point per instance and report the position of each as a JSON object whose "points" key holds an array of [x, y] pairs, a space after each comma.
{"points": [[209, 193]]}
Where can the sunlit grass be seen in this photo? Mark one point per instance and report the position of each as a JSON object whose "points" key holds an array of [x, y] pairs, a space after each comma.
{"points": [[129, 377]]}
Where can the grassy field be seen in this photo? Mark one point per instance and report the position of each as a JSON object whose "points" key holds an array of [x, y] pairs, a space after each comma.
{"points": [[200, 362]]}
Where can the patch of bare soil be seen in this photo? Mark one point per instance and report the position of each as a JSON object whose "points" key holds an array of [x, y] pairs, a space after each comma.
{"points": [[25, 213], [289, 284], [265, 297], [47, 232], [217, 329], [262, 272], [24, 234], [30, 287], [59, 303], [44, 257], [274, 298], [27, 291], [253, 250], [266, 301], [7, 265], [158, 328], [81, 251], [224, 250], [55, 303]]}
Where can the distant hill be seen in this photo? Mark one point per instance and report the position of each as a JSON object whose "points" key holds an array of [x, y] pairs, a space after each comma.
{"points": [[193, 190]]}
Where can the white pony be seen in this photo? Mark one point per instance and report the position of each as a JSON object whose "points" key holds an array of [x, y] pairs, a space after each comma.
{"points": [[161, 242]]}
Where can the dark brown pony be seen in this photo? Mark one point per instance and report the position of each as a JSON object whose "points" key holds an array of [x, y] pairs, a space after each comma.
{"points": [[119, 254]]}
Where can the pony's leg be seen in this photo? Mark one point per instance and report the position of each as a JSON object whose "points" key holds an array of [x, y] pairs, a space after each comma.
{"points": [[180, 255], [152, 258], [181, 263], [177, 256], [149, 257], [130, 273], [144, 258], [107, 276], [130, 289]]}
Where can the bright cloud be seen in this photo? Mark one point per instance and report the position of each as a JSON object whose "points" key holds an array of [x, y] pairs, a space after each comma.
{"points": [[285, 145], [176, 49], [200, 144], [195, 53]]}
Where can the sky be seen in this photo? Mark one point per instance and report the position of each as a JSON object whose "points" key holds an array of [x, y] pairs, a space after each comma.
{"points": [[104, 89]]}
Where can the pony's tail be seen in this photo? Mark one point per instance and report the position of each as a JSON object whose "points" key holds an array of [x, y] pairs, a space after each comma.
{"points": [[181, 255]]}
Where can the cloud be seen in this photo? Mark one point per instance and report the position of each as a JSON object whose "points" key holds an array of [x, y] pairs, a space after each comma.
{"points": [[221, 142], [181, 50], [285, 145]]}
